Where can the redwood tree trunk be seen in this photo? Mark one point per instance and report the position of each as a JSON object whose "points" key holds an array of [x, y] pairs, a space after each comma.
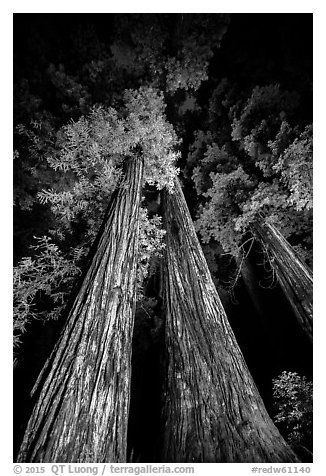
{"points": [[212, 409], [81, 412], [294, 276]]}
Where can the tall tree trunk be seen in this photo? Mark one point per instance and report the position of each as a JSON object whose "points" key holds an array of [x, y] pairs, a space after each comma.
{"points": [[212, 409], [81, 412], [294, 276]]}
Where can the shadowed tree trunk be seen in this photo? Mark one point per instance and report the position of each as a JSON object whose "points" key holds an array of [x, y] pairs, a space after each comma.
{"points": [[294, 276], [82, 405], [212, 409]]}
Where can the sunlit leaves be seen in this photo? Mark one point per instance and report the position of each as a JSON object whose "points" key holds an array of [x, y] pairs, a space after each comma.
{"points": [[197, 37]]}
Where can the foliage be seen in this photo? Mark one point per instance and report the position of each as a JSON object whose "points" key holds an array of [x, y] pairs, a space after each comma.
{"points": [[89, 155], [196, 152], [293, 402], [295, 166], [189, 69], [260, 115], [136, 54], [149, 128], [216, 221], [214, 160], [150, 248], [195, 38], [42, 283], [88, 168], [73, 95], [34, 141], [263, 169], [174, 54]]}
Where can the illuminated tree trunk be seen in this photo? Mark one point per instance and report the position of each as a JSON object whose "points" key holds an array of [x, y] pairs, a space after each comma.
{"points": [[294, 276], [82, 405], [212, 409]]}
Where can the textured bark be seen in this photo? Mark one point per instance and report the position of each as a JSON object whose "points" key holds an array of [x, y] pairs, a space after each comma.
{"points": [[294, 276], [212, 409], [81, 412]]}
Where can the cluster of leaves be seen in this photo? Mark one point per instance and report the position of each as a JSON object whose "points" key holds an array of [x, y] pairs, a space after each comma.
{"points": [[263, 169], [189, 68], [295, 165], [33, 142], [150, 248], [260, 115], [174, 54], [136, 54], [73, 94], [87, 169], [293, 397], [149, 128], [89, 153], [220, 222], [211, 159], [42, 283]]}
